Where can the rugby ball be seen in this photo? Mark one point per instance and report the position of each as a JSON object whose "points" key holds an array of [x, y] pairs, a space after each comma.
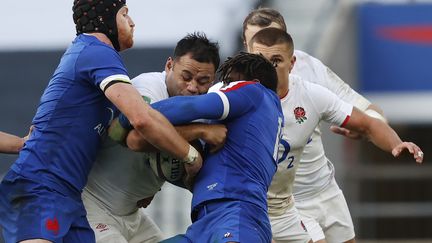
{"points": [[166, 167]]}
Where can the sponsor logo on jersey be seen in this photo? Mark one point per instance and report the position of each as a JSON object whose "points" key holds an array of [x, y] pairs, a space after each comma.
{"points": [[228, 235], [100, 128], [300, 115], [212, 186], [303, 226], [52, 225], [102, 227]]}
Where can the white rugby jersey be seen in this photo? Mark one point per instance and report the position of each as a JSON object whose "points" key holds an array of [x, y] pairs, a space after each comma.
{"points": [[116, 181], [304, 107], [315, 171]]}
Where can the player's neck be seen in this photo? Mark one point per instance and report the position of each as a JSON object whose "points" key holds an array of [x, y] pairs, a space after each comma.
{"points": [[102, 37], [283, 89]]}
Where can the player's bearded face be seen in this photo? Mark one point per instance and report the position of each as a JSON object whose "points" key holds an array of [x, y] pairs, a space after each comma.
{"points": [[125, 27]]}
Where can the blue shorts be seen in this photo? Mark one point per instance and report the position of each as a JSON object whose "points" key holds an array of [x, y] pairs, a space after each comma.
{"points": [[223, 221], [30, 210]]}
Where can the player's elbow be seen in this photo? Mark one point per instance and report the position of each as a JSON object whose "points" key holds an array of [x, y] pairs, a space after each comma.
{"points": [[142, 123], [147, 122]]}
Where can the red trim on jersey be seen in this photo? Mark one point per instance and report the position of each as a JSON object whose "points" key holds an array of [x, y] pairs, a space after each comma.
{"points": [[345, 121], [237, 86]]}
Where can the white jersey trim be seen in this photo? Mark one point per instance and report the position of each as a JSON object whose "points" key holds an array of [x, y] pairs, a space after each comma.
{"points": [[225, 103]]}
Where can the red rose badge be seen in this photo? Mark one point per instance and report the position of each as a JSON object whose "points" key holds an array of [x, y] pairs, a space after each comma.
{"points": [[300, 115]]}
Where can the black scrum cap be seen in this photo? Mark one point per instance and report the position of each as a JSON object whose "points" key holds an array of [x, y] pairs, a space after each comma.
{"points": [[98, 16]]}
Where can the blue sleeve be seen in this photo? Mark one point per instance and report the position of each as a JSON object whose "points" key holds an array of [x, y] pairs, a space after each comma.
{"points": [[242, 99], [219, 105], [184, 109], [99, 63]]}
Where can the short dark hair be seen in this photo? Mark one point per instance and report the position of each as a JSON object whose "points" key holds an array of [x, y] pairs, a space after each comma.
{"points": [[273, 36], [263, 17], [251, 66], [200, 48]]}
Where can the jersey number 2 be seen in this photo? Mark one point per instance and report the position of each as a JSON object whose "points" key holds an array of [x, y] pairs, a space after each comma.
{"points": [[286, 149]]}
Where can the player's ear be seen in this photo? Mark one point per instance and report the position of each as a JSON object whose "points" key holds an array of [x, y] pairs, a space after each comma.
{"points": [[169, 64], [292, 62]]}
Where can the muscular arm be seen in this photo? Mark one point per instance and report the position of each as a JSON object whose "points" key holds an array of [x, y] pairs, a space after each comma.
{"points": [[211, 133], [148, 122], [324, 76], [181, 110], [10, 144], [372, 111], [381, 134]]}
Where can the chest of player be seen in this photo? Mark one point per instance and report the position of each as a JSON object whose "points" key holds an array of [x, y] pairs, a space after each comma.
{"points": [[300, 121]]}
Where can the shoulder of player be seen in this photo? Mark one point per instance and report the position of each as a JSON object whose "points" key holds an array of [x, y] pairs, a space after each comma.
{"points": [[310, 68], [307, 91], [297, 81], [91, 48], [151, 85], [302, 56], [150, 78]]}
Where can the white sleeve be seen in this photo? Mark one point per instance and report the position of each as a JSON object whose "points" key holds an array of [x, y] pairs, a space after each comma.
{"points": [[344, 91], [313, 70], [331, 108]]}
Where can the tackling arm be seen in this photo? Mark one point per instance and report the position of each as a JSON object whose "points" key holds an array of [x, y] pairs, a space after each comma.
{"points": [[381, 134], [181, 110], [151, 124], [10, 144], [213, 134]]}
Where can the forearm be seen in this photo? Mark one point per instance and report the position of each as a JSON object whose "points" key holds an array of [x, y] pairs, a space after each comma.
{"points": [[160, 133], [10, 143], [382, 135], [148, 122], [375, 130], [189, 132]]}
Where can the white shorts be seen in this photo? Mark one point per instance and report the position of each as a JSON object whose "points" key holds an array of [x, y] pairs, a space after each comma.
{"points": [[326, 216], [289, 228], [134, 228]]}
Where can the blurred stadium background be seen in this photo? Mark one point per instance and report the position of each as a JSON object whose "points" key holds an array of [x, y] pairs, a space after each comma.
{"points": [[381, 48]]}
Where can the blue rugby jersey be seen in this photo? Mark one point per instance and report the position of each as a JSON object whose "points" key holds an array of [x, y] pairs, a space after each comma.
{"points": [[244, 167], [72, 116]]}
